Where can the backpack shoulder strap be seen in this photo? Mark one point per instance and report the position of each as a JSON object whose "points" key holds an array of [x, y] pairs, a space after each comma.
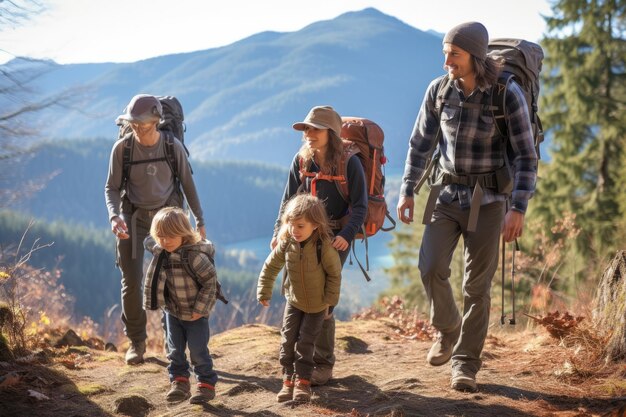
{"points": [[127, 157], [318, 250], [350, 149], [498, 102], [444, 88], [170, 153]]}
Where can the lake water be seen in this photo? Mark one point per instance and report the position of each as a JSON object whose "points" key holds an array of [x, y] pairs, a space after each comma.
{"points": [[356, 292]]}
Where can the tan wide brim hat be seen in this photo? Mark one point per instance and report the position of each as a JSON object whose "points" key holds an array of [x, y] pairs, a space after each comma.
{"points": [[321, 117]]}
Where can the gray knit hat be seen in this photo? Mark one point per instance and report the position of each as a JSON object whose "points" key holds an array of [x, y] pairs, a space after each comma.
{"points": [[471, 37]]}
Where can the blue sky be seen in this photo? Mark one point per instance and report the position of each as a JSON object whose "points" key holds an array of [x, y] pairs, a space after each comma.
{"points": [[86, 31]]}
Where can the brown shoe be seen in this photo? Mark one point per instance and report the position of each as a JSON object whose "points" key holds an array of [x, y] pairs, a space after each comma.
{"points": [[205, 393], [462, 381], [286, 392], [302, 390], [135, 352], [441, 351], [321, 375], [180, 390]]}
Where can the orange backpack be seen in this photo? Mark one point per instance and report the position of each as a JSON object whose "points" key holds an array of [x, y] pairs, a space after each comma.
{"points": [[364, 138]]}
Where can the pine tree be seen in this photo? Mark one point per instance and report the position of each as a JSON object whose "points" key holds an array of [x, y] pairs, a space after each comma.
{"points": [[583, 110]]}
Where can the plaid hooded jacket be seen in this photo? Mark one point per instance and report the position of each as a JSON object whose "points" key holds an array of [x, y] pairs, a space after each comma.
{"points": [[169, 286]]}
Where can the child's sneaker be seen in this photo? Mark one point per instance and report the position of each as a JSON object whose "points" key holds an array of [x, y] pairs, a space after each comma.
{"points": [[286, 392], [302, 390], [179, 391], [206, 392]]}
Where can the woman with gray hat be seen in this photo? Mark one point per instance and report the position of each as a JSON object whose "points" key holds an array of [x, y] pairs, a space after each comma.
{"points": [[322, 152], [132, 202]]}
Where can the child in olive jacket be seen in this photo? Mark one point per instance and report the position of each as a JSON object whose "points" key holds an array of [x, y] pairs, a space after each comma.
{"points": [[311, 286]]}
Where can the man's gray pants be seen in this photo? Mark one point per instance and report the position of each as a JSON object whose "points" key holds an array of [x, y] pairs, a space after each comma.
{"points": [[449, 223], [133, 314]]}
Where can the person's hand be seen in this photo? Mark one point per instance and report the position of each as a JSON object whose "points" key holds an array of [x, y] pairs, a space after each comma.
{"points": [[405, 203], [202, 231], [265, 303], [273, 243], [327, 314], [119, 228], [513, 225], [196, 316], [340, 243]]}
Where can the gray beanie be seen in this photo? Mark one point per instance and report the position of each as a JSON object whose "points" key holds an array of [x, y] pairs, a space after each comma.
{"points": [[471, 37]]}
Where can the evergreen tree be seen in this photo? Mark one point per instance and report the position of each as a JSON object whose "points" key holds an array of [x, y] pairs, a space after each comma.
{"points": [[583, 105]]}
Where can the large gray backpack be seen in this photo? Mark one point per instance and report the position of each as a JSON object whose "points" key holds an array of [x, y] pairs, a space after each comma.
{"points": [[522, 62]]}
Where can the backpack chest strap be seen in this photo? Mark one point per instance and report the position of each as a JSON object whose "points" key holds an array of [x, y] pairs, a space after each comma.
{"points": [[319, 176], [468, 105]]}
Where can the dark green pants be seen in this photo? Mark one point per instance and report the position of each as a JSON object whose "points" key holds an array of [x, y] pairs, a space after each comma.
{"points": [[325, 342]]}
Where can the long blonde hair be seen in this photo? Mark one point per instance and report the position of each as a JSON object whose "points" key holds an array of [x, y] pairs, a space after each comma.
{"points": [[173, 222], [333, 155], [310, 208]]}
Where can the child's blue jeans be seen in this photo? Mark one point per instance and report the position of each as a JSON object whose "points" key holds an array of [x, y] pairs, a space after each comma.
{"points": [[195, 335]]}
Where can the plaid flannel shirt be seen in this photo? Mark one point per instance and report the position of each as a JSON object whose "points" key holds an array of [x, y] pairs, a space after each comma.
{"points": [[470, 144], [172, 289]]}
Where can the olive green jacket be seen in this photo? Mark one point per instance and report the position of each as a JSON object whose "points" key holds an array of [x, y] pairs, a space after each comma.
{"points": [[310, 284]]}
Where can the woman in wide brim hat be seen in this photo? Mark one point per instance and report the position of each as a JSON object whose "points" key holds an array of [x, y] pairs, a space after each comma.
{"points": [[322, 151]]}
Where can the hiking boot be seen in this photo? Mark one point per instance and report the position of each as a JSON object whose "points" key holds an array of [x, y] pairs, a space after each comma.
{"points": [[321, 375], [302, 390], [205, 393], [441, 351], [180, 390], [134, 354], [462, 381], [286, 392]]}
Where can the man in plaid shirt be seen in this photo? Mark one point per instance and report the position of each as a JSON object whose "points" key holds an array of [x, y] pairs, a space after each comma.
{"points": [[471, 187]]}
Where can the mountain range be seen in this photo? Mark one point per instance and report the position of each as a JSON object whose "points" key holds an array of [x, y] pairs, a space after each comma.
{"points": [[240, 100]]}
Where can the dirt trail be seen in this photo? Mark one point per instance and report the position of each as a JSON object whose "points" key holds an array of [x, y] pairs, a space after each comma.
{"points": [[378, 373]]}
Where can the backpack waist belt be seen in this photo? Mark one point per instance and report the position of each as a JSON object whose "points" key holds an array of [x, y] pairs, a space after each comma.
{"points": [[477, 182], [487, 180]]}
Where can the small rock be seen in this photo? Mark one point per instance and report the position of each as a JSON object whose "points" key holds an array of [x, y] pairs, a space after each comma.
{"points": [[70, 338], [133, 405], [37, 395], [351, 344], [241, 388], [110, 347]]}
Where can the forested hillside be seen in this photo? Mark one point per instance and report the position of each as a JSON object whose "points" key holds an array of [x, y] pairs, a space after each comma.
{"points": [[240, 199], [240, 202]]}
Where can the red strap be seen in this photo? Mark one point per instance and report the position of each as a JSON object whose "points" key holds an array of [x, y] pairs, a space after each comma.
{"points": [[205, 385], [318, 176]]}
